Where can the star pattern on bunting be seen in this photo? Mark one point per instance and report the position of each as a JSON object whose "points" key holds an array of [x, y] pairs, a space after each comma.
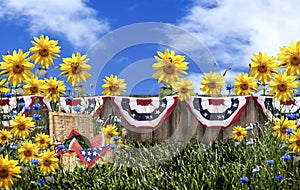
{"points": [[216, 116], [144, 116]]}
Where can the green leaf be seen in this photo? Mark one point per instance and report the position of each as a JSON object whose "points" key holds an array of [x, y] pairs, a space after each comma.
{"points": [[164, 91]]}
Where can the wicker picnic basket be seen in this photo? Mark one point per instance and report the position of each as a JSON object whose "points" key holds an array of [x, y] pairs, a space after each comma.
{"points": [[60, 126], [70, 160]]}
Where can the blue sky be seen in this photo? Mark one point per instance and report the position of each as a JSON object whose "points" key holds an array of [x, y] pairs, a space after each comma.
{"points": [[232, 30]]}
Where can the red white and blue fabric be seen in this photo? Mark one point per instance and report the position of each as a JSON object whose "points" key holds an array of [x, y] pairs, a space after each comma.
{"points": [[144, 113], [11, 105], [273, 108], [88, 105], [219, 112], [91, 155]]}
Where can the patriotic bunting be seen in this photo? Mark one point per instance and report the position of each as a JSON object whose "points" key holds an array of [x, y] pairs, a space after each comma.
{"points": [[151, 112], [219, 112], [11, 106], [45, 103], [144, 113], [273, 108], [86, 105]]}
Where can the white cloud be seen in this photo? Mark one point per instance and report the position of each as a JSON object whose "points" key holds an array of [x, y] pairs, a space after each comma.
{"points": [[73, 20], [235, 29], [196, 78]]}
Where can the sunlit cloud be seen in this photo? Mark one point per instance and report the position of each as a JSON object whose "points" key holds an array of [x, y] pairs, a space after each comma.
{"points": [[73, 20], [233, 30]]}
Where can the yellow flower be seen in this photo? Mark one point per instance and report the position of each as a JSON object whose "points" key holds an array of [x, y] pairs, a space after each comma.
{"points": [[113, 86], [28, 151], [244, 84], [54, 89], [42, 140], [110, 131], [75, 68], [184, 89], [44, 51], [5, 136], [283, 86], [117, 142], [34, 86], [16, 67], [281, 125], [212, 83], [169, 67], [239, 133], [3, 86], [48, 161], [290, 57], [295, 141], [21, 125], [9, 171], [262, 67]]}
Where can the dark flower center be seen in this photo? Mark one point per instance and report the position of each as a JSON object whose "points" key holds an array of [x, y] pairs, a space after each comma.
{"points": [[34, 89], [184, 90], [21, 127], [114, 88], [295, 60], [109, 135], [42, 141], [283, 129], [4, 172], [282, 87], [169, 69], [262, 68], [4, 137], [212, 85], [298, 142], [44, 52], [244, 86], [28, 153], [53, 90], [76, 69], [18, 68], [239, 133], [47, 162]]}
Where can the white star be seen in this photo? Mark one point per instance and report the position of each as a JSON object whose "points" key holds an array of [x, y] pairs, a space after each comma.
{"points": [[88, 159], [205, 114], [220, 116], [147, 117], [157, 112], [163, 105], [89, 153], [133, 115], [229, 111], [94, 153], [83, 152], [235, 105]]}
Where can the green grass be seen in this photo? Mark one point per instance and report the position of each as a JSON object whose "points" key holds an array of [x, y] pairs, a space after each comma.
{"points": [[217, 166]]}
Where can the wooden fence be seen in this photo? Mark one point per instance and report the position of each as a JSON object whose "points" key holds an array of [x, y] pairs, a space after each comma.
{"points": [[181, 125]]}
